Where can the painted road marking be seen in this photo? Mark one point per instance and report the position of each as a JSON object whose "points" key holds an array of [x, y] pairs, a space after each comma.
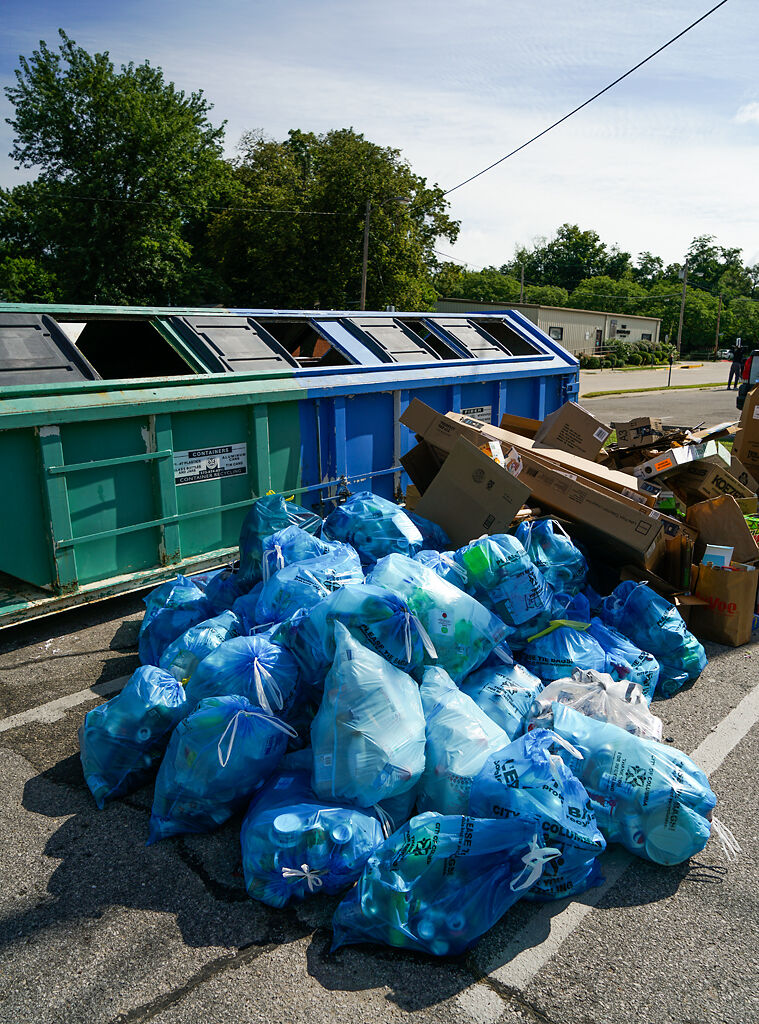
{"points": [[56, 709], [527, 952]]}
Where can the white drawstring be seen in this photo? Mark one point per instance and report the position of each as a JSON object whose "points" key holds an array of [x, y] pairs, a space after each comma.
{"points": [[311, 875], [730, 845], [534, 860], [260, 671], [233, 723], [428, 644], [505, 657], [233, 726], [566, 744], [385, 820], [447, 560], [279, 561], [407, 634]]}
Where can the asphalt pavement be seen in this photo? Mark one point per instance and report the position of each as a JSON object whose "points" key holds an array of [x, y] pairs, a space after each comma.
{"points": [[95, 927], [688, 407]]}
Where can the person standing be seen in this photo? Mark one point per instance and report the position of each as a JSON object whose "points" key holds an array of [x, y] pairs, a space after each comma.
{"points": [[736, 367]]}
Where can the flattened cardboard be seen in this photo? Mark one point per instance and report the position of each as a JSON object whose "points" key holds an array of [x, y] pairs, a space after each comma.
{"points": [[471, 495], [667, 462], [520, 425], [422, 463], [742, 475], [572, 429], [720, 521]]}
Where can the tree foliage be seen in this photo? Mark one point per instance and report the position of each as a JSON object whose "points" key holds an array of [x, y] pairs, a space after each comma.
{"points": [[569, 257]]}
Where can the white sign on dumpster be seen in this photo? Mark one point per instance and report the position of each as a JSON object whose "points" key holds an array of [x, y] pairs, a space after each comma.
{"points": [[479, 412], [201, 464]]}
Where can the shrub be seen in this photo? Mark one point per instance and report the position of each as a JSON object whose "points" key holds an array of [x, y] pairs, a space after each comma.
{"points": [[635, 359]]}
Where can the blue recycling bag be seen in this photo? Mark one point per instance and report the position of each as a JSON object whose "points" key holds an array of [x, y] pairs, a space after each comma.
{"points": [[252, 667], [170, 609], [624, 660], [374, 616], [295, 845], [183, 656], [433, 536], [245, 607], [462, 630], [303, 584], [122, 741], [501, 574], [551, 549], [656, 626], [368, 735], [505, 693], [440, 882], [217, 758], [374, 526], [562, 647], [266, 516], [445, 565], [525, 778], [460, 736], [285, 547], [648, 796], [223, 589]]}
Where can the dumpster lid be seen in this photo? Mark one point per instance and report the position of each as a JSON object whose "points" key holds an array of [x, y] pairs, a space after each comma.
{"points": [[395, 341], [488, 337], [234, 344], [34, 350]]}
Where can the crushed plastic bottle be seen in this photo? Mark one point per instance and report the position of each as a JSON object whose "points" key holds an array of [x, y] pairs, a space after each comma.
{"points": [[122, 741], [445, 565], [183, 656], [462, 630], [295, 845], [217, 758], [441, 882], [505, 693], [525, 778], [552, 550], [368, 735], [266, 516], [598, 696], [656, 626], [460, 736], [650, 797], [374, 526], [170, 610]]}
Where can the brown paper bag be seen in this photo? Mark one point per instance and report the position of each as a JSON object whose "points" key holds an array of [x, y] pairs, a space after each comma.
{"points": [[731, 599]]}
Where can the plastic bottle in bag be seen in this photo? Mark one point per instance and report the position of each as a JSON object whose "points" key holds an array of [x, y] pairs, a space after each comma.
{"points": [[374, 526], [462, 630], [445, 565], [650, 797], [217, 758], [560, 648], [183, 656], [252, 667], [122, 741], [460, 736], [505, 693], [266, 516], [625, 661], [295, 845], [597, 695], [170, 609], [440, 882], [368, 735], [656, 626], [525, 778], [303, 584], [551, 549]]}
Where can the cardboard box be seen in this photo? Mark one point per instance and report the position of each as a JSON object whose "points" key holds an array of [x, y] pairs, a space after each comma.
{"points": [[729, 594], [610, 522], [422, 463], [742, 475], [520, 425], [746, 445], [706, 480], [442, 430], [674, 458], [720, 521], [641, 430], [572, 429], [471, 495]]}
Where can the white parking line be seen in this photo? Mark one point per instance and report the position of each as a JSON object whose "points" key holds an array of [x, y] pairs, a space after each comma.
{"points": [[56, 709], [528, 951]]}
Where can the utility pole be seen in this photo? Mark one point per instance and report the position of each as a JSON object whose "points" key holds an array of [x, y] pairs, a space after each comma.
{"points": [[521, 284], [682, 310], [716, 336], [365, 264]]}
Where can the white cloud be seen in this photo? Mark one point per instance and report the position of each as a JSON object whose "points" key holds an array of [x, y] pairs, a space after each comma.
{"points": [[748, 113]]}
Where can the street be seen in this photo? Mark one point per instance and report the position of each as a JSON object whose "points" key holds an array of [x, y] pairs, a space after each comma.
{"points": [[98, 928]]}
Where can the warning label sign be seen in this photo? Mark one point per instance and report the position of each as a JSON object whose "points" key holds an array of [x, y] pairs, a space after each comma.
{"points": [[479, 412], [210, 463]]}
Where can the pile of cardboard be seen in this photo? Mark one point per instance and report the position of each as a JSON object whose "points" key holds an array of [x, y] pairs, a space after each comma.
{"points": [[664, 504]]}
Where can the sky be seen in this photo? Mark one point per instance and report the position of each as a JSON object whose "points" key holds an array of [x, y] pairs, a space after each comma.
{"points": [[669, 154]]}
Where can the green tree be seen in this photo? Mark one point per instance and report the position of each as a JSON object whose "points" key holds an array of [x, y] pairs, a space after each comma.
{"points": [[648, 269], [605, 293], [125, 163], [569, 257], [298, 240], [546, 295], [487, 285], [24, 280]]}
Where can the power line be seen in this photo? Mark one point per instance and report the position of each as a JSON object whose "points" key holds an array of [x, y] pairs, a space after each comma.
{"points": [[585, 104]]}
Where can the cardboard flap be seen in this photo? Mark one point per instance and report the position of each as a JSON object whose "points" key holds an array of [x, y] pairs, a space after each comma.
{"points": [[720, 521]]}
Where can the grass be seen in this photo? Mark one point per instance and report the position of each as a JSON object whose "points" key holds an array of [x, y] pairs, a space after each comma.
{"points": [[637, 391]]}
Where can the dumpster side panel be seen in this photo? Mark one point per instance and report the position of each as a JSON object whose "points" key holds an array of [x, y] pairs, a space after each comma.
{"points": [[25, 532]]}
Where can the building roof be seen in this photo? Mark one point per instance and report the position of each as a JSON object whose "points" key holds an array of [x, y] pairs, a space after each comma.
{"points": [[473, 304]]}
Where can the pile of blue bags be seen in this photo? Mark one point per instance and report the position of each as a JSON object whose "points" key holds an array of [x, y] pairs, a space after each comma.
{"points": [[430, 733]]}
